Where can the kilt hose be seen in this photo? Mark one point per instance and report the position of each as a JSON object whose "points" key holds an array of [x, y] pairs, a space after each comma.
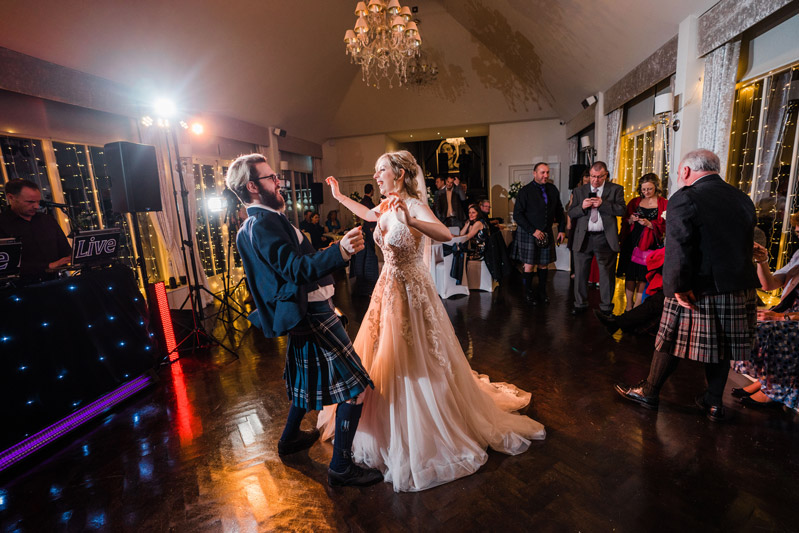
{"points": [[722, 329], [322, 367]]}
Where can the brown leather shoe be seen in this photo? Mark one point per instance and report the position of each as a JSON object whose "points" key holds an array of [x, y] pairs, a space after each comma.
{"points": [[636, 394]]}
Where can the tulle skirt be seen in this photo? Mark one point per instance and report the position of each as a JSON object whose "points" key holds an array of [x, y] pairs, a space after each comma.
{"points": [[430, 418]]}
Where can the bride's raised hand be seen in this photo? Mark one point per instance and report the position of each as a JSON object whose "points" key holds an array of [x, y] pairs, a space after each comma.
{"points": [[400, 208], [333, 182]]}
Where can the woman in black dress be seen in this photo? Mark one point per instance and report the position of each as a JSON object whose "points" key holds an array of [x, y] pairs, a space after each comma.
{"points": [[642, 230]]}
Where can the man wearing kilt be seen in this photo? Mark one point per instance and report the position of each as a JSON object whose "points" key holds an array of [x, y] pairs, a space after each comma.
{"points": [[709, 281], [538, 206], [291, 286]]}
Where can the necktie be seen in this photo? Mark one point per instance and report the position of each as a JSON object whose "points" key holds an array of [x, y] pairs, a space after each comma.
{"points": [[544, 193], [594, 211]]}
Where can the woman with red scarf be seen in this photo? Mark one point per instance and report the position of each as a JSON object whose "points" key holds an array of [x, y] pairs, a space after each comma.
{"points": [[642, 231]]}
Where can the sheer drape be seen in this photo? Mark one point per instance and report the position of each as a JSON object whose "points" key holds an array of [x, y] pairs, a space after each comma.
{"points": [[574, 150], [773, 133], [613, 141], [718, 95]]}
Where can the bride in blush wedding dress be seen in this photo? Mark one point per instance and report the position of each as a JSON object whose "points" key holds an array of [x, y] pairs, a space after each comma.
{"points": [[430, 418]]}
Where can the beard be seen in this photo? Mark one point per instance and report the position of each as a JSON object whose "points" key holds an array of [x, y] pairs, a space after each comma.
{"points": [[271, 200]]}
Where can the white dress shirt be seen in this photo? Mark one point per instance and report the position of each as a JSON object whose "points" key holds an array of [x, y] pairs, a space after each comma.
{"points": [[596, 226]]}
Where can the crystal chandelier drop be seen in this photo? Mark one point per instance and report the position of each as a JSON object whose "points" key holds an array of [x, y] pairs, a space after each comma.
{"points": [[383, 42]]}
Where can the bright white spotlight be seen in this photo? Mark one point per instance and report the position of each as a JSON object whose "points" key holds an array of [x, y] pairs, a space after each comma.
{"points": [[215, 204], [147, 121], [197, 128], [164, 108]]}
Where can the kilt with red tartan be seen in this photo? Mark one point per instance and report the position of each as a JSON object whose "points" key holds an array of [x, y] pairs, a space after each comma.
{"points": [[722, 329]]}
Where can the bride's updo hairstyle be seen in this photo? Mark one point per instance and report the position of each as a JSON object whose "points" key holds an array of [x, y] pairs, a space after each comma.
{"points": [[403, 160]]}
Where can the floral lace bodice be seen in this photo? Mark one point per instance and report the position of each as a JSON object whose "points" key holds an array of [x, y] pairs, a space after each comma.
{"points": [[401, 248]]}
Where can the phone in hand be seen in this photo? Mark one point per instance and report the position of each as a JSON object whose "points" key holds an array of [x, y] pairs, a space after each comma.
{"points": [[592, 194]]}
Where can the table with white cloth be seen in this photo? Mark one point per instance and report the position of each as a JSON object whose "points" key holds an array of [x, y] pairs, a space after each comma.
{"points": [[440, 267], [475, 274]]}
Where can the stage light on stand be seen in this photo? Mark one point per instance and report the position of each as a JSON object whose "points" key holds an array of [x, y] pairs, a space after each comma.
{"points": [[164, 108], [215, 204], [147, 121]]}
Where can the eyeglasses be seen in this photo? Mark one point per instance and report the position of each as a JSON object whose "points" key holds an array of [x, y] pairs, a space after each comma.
{"points": [[274, 177]]}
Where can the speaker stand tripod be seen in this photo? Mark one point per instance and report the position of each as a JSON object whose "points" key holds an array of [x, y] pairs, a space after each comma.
{"points": [[199, 335]]}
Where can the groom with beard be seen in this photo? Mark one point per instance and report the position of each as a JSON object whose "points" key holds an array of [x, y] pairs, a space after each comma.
{"points": [[291, 286]]}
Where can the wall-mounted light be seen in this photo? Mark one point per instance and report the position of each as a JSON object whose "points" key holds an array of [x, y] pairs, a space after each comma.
{"points": [[588, 102]]}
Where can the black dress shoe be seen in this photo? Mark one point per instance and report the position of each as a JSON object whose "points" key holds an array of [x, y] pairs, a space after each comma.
{"points": [[530, 298], [740, 393], [636, 394], [544, 299], [302, 441], [609, 321], [579, 310], [354, 476], [714, 413], [746, 401]]}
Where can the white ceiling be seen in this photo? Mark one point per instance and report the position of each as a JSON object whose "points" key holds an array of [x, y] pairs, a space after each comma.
{"points": [[282, 63]]}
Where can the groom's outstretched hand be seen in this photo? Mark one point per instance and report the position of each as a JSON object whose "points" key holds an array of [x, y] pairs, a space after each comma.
{"points": [[352, 242]]}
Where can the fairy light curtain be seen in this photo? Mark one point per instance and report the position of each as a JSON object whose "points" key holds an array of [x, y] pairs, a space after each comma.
{"points": [[764, 156], [718, 95]]}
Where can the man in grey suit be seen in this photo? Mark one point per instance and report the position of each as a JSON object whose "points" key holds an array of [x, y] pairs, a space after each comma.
{"points": [[593, 212]]}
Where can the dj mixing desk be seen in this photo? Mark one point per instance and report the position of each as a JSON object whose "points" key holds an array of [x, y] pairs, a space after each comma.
{"points": [[67, 349]]}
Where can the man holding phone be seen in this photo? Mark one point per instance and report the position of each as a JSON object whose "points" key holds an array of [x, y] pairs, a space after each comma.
{"points": [[593, 212]]}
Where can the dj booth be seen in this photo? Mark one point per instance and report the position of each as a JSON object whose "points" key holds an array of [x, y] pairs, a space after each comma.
{"points": [[69, 349]]}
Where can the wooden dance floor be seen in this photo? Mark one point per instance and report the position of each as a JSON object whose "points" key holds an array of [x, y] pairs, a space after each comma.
{"points": [[198, 451]]}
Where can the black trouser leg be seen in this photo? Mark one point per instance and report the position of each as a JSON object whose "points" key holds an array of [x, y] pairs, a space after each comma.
{"points": [[660, 369], [642, 316], [716, 374]]}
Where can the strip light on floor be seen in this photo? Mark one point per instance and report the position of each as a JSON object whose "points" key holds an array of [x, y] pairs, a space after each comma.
{"points": [[31, 444], [166, 320]]}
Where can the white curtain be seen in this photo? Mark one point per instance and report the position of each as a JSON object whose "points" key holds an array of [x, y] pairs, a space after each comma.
{"points": [[574, 150], [613, 141], [718, 96]]}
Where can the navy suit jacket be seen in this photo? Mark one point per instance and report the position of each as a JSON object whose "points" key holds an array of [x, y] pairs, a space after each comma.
{"points": [[278, 274], [709, 237]]}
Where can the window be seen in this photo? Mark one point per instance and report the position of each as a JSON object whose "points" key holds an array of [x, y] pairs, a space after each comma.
{"points": [[24, 158], [210, 216], [641, 152], [763, 160]]}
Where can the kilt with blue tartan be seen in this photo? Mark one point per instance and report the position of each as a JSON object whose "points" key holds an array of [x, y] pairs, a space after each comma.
{"points": [[525, 249], [322, 367], [722, 329]]}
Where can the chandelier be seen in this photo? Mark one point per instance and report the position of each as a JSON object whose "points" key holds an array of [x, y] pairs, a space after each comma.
{"points": [[421, 71], [383, 41]]}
